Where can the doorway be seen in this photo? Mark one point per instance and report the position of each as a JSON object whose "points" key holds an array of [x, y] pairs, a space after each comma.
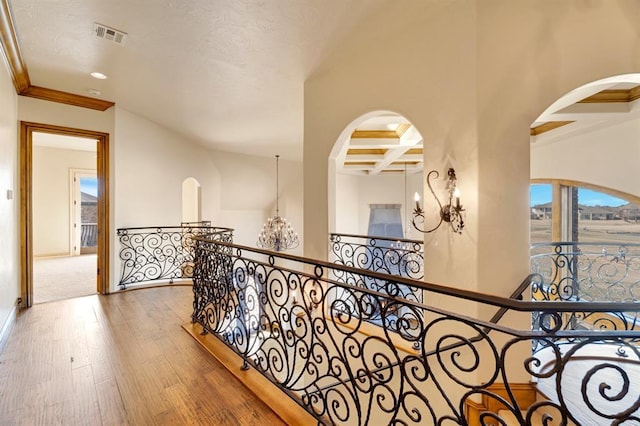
{"points": [[34, 216]]}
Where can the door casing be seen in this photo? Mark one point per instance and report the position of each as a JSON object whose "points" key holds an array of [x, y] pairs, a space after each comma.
{"points": [[26, 205]]}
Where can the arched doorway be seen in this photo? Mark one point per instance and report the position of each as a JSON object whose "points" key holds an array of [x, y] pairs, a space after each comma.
{"points": [[375, 167], [191, 205]]}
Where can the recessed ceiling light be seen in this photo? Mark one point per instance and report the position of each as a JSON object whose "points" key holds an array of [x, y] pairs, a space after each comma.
{"points": [[98, 75]]}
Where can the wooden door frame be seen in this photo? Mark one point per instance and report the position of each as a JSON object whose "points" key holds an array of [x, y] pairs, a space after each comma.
{"points": [[26, 203]]}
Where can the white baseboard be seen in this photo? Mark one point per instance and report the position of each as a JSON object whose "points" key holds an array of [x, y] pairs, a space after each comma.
{"points": [[7, 326]]}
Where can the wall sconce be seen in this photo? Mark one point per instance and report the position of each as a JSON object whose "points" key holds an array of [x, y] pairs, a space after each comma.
{"points": [[450, 212]]}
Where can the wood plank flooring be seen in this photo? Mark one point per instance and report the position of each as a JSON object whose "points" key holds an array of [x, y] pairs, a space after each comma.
{"points": [[121, 359]]}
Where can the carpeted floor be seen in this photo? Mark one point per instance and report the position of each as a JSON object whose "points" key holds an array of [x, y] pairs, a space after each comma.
{"points": [[64, 277]]}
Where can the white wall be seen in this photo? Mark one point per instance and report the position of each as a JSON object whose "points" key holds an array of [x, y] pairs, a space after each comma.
{"points": [[354, 194], [237, 191], [248, 194], [151, 162], [51, 195], [9, 218], [607, 156]]}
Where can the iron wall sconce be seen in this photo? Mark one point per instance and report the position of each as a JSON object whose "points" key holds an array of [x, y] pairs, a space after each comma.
{"points": [[450, 213]]}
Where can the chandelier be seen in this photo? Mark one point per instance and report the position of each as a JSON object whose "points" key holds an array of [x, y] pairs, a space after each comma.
{"points": [[277, 233]]}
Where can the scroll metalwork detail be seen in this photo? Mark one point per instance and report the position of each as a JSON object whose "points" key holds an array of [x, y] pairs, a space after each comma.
{"points": [[291, 320], [162, 253]]}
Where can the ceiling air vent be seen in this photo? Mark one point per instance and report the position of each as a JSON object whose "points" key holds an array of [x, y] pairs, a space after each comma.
{"points": [[108, 33]]}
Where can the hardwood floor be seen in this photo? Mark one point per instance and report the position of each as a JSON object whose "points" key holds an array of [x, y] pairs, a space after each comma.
{"points": [[117, 360]]}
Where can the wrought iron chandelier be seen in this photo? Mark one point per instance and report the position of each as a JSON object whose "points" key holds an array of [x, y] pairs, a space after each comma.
{"points": [[451, 212], [277, 233]]}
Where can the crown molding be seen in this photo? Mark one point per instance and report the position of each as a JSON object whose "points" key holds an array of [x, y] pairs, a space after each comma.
{"points": [[66, 98], [20, 74], [11, 49]]}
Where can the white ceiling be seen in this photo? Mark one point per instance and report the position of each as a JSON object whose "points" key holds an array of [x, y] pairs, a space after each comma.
{"points": [[227, 73], [64, 142]]}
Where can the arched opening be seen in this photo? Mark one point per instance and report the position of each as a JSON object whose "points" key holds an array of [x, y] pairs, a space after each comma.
{"points": [[585, 232], [375, 167], [191, 206], [584, 150]]}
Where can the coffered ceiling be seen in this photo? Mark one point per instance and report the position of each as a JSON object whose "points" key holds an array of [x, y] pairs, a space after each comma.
{"points": [[593, 105], [383, 144], [227, 74]]}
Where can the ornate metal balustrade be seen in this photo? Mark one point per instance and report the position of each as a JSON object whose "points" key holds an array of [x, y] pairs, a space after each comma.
{"points": [[162, 253], [398, 257], [88, 235], [587, 271], [286, 317]]}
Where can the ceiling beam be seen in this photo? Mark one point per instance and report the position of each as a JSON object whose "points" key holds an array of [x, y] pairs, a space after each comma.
{"points": [[545, 127], [374, 134], [612, 96], [405, 157]]}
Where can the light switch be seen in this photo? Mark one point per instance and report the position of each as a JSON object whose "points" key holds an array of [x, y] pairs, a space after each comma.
{"points": [[9, 194]]}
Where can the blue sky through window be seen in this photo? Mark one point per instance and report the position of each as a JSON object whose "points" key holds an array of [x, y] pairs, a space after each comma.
{"points": [[541, 193], [89, 186]]}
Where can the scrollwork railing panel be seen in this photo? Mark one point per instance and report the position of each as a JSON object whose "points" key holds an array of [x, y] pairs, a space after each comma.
{"points": [[596, 272], [293, 321], [399, 257], [162, 253]]}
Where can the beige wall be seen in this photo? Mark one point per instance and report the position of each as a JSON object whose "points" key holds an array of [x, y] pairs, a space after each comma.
{"points": [[51, 195], [9, 219], [471, 76]]}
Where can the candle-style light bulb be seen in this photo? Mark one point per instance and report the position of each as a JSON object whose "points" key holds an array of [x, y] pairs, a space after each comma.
{"points": [[416, 197], [456, 193]]}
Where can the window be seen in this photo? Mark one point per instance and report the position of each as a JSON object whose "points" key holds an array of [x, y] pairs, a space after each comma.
{"points": [[570, 212], [385, 220], [541, 209]]}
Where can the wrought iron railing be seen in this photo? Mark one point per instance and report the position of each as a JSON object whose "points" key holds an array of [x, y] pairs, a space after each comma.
{"points": [[163, 253], [289, 319], [394, 256], [391, 256], [88, 235], [587, 271]]}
